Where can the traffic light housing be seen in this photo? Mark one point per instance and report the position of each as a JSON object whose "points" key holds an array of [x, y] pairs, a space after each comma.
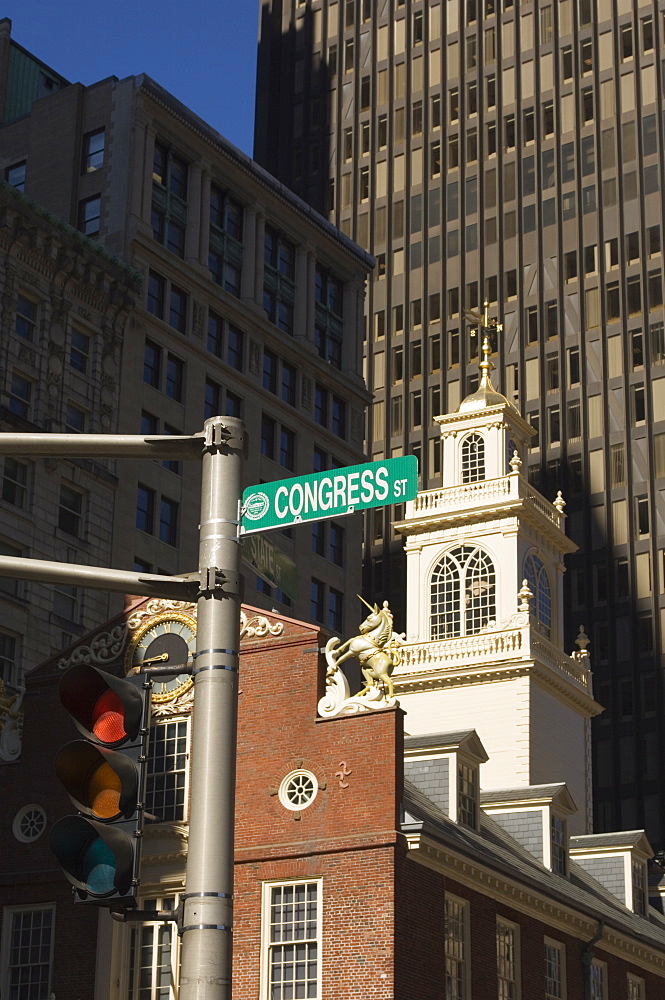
{"points": [[104, 775]]}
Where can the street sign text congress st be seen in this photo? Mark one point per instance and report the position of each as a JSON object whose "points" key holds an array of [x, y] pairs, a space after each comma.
{"points": [[329, 494]]}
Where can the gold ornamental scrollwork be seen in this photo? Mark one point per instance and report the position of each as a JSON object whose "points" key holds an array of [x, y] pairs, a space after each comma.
{"points": [[156, 606], [105, 647]]}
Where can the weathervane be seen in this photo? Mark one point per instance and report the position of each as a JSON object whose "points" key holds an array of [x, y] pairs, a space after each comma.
{"points": [[487, 326]]}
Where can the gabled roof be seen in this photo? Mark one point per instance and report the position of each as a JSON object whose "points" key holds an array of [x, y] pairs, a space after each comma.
{"points": [[626, 840], [529, 795], [466, 740]]}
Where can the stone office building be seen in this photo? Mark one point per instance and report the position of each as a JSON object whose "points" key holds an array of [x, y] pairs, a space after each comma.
{"points": [[251, 305], [511, 152]]}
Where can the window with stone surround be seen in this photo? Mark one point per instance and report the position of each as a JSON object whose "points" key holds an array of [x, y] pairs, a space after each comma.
{"points": [[225, 250], [169, 199]]}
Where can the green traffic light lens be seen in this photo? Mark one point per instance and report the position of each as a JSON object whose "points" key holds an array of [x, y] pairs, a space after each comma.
{"points": [[98, 867]]}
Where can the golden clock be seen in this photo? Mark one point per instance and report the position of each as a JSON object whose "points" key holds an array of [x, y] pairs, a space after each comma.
{"points": [[169, 639]]}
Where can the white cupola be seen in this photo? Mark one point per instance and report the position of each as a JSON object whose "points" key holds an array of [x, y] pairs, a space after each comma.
{"points": [[485, 606]]}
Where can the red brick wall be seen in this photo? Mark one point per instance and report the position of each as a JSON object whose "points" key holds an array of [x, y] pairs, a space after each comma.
{"points": [[278, 731], [358, 921], [346, 836], [419, 955]]}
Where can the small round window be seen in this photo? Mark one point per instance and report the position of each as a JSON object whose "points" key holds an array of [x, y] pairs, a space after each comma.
{"points": [[29, 823], [298, 790]]}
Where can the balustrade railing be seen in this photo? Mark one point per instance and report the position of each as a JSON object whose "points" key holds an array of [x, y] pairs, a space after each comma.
{"points": [[510, 645], [483, 493]]}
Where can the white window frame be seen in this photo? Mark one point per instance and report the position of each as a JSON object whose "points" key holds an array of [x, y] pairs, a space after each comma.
{"points": [[159, 720], [636, 987], [464, 963], [503, 925], [13, 671], [266, 946], [602, 967], [135, 948], [8, 915], [554, 820], [639, 891], [561, 949]]}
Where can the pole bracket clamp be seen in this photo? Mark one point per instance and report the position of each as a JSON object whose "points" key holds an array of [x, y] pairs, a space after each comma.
{"points": [[213, 578]]}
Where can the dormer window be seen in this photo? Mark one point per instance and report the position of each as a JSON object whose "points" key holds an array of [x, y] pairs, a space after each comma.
{"points": [[536, 816], [536, 574], [639, 887], [467, 795], [446, 768], [463, 593], [619, 862], [559, 845], [473, 459]]}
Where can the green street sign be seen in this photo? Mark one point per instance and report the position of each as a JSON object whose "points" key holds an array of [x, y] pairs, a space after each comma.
{"points": [[328, 494], [272, 564]]}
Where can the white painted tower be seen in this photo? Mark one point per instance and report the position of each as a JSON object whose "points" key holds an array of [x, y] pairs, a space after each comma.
{"points": [[483, 650]]}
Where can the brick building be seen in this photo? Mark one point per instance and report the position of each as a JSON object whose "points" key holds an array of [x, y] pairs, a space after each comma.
{"points": [[390, 855], [409, 892], [250, 305]]}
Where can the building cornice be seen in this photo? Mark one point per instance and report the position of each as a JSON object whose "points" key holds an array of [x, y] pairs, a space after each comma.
{"points": [[532, 902], [250, 167], [509, 496]]}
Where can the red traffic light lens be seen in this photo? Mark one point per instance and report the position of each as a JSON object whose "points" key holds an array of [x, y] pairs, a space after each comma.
{"points": [[108, 718]]}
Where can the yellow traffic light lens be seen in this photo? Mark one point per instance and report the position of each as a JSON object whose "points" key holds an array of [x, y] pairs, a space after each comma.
{"points": [[108, 718], [104, 792]]}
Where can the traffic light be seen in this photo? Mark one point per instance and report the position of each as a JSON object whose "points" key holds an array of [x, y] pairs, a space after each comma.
{"points": [[104, 775]]}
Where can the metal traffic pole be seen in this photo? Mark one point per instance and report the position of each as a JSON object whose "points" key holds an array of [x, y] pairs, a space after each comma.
{"points": [[207, 917]]}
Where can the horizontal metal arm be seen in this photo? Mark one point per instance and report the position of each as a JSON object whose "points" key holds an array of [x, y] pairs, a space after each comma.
{"points": [[173, 446], [148, 916], [175, 671], [179, 588]]}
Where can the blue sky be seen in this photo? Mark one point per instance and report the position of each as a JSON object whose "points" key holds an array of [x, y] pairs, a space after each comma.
{"points": [[203, 51]]}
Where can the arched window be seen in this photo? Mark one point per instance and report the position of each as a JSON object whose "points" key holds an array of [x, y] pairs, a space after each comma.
{"points": [[539, 584], [473, 459], [463, 593]]}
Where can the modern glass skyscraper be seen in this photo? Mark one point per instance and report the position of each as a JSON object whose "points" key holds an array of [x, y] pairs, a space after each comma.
{"points": [[508, 151]]}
